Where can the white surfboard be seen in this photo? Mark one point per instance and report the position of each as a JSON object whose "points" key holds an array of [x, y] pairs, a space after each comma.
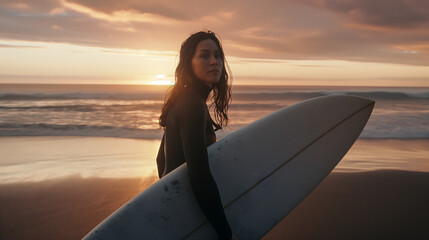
{"points": [[262, 171]]}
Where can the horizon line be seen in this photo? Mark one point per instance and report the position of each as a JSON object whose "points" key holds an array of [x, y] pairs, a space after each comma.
{"points": [[154, 85]]}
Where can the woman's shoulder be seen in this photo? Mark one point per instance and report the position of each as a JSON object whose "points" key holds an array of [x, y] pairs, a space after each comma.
{"points": [[189, 105], [190, 99]]}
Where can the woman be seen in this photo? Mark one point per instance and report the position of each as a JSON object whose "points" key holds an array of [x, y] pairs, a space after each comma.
{"points": [[188, 127]]}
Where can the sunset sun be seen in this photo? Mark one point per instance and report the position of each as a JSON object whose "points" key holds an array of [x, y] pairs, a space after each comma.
{"points": [[161, 80]]}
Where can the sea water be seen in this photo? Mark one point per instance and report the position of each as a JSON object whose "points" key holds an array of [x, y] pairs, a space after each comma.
{"points": [[38, 114]]}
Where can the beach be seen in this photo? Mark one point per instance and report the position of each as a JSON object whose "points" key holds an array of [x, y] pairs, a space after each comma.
{"points": [[385, 204], [71, 155], [349, 204], [320, 111]]}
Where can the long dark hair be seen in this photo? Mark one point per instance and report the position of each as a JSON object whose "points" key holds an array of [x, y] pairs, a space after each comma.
{"points": [[184, 75]]}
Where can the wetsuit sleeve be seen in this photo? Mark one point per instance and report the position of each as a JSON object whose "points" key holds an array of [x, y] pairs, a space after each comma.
{"points": [[160, 159], [192, 119]]}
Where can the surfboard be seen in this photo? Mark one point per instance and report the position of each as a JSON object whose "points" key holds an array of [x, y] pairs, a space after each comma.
{"points": [[263, 171]]}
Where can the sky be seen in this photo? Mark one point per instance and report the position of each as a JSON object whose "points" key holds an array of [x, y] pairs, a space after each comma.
{"points": [[274, 42]]}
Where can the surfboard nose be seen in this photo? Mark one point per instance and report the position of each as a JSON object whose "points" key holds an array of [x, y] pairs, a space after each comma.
{"points": [[351, 101], [367, 105], [342, 106], [365, 101], [337, 108]]}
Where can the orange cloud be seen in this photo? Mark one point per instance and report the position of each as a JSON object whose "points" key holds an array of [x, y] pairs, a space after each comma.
{"points": [[120, 15], [353, 30]]}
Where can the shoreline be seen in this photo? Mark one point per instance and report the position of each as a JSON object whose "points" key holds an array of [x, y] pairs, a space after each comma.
{"points": [[27, 159], [361, 205]]}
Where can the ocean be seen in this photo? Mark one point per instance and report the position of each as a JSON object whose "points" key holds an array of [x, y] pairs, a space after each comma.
{"points": [[50, 130]]}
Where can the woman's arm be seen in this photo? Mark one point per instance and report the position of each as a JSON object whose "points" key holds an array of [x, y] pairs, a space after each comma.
{"points": [[160, 159], [192, 119]]}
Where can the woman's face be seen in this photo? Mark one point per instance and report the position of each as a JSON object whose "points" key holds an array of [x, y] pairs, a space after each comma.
{"points": [[207, 62]]}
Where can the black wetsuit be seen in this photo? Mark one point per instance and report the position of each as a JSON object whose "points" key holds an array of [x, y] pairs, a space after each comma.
{"points": [[188, 133]]}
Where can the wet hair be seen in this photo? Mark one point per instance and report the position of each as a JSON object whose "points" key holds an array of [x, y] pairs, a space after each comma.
{"points": [[221, 96]]}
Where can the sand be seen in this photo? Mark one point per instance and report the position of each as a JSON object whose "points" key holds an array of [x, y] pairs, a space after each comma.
{"points": [[66, 208], [368, 205]]}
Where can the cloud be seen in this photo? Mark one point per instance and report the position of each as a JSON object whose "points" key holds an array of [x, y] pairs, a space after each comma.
{"points": [[357, 30], [169, 9], [17, 46], [394, 31], [392, 14]]}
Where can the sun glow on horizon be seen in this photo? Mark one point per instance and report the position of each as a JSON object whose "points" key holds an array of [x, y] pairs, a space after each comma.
{"points": [[39, 62], [160, 80]]}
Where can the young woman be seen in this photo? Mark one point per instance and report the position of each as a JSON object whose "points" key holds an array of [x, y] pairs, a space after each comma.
{"points": [[188, 127]]}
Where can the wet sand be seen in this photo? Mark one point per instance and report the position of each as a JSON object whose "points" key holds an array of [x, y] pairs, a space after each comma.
{"points": [[368, 205], [66, 208]]}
